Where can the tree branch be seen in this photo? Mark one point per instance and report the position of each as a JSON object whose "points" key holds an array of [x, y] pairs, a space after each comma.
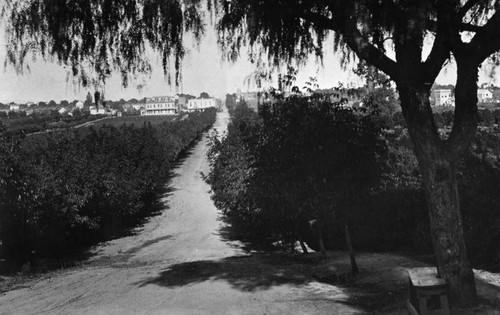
{"points": [[446, 38], [432, 27], [356, 42], [466, 7], [486, 41]]}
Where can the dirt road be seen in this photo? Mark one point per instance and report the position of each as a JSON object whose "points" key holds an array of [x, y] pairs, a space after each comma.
{"points": [[179, 262]]}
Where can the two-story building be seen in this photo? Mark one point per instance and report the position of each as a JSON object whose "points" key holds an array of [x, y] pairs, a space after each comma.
{"points": [[443, 97], [159, 105], [198, 104]]}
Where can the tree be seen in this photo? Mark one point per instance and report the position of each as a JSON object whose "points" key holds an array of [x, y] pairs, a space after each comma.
{"points": [[230, 100], [80, 33], [88, 100], [367, 29], [204, 95], [64, 103], [52, 103], [97, 97], [83, 35]]}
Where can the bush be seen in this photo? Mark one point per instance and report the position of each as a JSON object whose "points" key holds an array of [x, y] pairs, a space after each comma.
{"points": [[277, 171], [67, 189], [298, 161]]}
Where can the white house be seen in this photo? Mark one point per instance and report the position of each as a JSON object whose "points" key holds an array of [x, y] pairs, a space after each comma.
{"points": [[159, 105], [79, 105], [14, 107], [484, 95], [62, 110], [98, 111], [443, 97], [137, 106], [197, 104]]}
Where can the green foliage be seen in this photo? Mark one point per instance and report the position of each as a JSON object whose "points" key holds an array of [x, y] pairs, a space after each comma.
{"points": [[67, 189]]}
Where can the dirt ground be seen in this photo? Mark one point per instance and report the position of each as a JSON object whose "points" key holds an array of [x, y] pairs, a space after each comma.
{"points": [[185, 261]]}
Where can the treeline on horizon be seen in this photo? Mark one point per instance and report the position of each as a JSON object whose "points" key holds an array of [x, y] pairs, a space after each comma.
{"points": [[301, 170], [65, 190]]}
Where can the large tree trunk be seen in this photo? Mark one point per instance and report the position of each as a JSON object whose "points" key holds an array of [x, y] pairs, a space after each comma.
{"points": [[437, 162], [447, 232]]}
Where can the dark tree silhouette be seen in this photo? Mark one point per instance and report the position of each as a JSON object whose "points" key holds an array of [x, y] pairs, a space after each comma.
{"points": [[97, 98], [96, 37], [88, 100]]}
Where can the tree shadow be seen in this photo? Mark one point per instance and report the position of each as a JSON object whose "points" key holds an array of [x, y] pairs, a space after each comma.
{"points": [[247, 273], [380, 287], [240, 238]]}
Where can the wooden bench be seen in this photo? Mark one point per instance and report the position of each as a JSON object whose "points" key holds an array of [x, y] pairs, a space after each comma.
{"points": [[428, 293]]}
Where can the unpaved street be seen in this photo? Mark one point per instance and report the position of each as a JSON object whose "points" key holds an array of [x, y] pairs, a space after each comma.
{"points": [[179, 262]]}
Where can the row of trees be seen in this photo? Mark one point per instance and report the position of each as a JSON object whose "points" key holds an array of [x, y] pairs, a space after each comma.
{"points": [[302, 171], [60, 191], [298, 162], [42, 121]]}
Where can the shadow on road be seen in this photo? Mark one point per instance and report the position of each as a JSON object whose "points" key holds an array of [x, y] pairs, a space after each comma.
{"points": [[381, 285], [248, 273], [240, 238]]}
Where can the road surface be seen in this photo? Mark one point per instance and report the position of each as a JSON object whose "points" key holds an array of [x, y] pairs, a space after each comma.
{"points": [[179, 262]]}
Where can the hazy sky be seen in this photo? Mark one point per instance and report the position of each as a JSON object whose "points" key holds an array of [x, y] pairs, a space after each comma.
{"points": [[203, 71]]}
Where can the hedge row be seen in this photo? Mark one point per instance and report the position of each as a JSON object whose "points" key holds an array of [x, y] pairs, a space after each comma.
{"points": [[273, 176], [63, 190]]}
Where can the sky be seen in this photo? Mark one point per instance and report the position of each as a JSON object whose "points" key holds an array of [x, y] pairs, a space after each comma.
{"points": [[202, 71]]}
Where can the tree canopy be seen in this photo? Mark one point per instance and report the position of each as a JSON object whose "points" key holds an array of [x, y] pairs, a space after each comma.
{"points": [[94, 38]]}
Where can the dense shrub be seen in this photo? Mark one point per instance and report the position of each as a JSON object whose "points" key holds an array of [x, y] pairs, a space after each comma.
{"points": [[275, 172], [299, 161], [67, 189], [395, 216]]}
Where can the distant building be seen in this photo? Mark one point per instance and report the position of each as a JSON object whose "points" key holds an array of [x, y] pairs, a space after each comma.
{"points": [[137, 106], [332, 95], [159, 105], [62, 110], [443, 97], [198, 104], [484, 95], [79, 105], [100, 110], [252, 99], [29, 104], [182, 100], [14, 107]]}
